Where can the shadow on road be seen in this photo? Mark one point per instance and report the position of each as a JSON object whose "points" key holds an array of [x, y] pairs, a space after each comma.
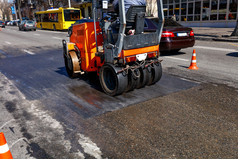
{"points": [[171, 53], [233, 54]]}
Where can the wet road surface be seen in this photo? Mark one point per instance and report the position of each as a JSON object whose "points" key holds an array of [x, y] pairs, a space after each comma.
{"points": [[43, 77]]}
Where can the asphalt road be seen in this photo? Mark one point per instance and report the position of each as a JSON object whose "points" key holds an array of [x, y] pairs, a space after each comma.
{"points": [[188, 114]]}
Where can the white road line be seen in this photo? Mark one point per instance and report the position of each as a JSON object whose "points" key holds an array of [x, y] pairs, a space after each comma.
{"points": [[49, 31], [215, 48], [23, 138], [29, 52], [7, 42], [57, 38], [2, 52], [6, 123], [90, 147], [37, 34], [23, 32], [175, 58]]}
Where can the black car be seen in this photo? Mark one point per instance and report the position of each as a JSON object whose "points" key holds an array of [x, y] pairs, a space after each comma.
{"points": [[27, 25], [78, 22], [2, 24], [174, 36]]}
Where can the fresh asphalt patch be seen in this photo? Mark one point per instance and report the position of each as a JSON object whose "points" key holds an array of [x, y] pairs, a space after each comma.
{"points": [[43, 77]]}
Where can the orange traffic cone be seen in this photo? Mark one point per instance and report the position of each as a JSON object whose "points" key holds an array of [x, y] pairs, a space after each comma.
{"points": [[193, 65], [4, 149]]}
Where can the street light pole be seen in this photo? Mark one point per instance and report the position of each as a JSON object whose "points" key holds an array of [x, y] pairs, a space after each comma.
{"points": [[69, 4]]}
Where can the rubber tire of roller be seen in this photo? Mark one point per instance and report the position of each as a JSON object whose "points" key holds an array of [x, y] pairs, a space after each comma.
{"points": [[112, 83]]}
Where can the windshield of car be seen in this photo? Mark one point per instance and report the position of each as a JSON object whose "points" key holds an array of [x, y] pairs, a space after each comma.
{"points": [[167, 22], [29, 22]]}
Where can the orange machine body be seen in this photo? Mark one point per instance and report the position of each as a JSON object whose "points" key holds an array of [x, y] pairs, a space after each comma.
{"points": [[84, 38]]}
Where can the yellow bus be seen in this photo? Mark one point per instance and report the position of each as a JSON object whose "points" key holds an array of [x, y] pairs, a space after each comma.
{"points": [[57, 19]]}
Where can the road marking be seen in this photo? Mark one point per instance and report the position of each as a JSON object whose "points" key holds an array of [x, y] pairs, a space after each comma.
{"points": [[90, 147], [29, 52], [57, 38], [233, 44], [6, 123], [37, 34], [175, 58], [7, 42], [23, 32], [23, 138], [2, 52], [215, 48], [50, 31]]}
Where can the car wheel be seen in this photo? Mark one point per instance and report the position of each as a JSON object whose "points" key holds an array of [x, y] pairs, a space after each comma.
{"points": [[34, 29]]}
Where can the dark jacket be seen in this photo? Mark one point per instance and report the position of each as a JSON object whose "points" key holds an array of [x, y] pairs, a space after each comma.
{"points": [[128, 3]]}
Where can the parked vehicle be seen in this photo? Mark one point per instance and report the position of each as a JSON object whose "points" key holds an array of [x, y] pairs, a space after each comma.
{"points": [[2, 24], [78, 22], [174, 36], [9, 23], [27, 25], [6, 22], [57, 18]]}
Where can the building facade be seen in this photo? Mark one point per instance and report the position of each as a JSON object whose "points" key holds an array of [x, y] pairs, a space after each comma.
{"points": [[207, 13]]}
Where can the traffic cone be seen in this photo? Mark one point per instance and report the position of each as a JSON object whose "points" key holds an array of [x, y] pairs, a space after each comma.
{"points": [[4, 149], [193, 65]]}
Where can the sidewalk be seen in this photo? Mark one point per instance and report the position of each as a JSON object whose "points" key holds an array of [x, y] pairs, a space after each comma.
{"points": [[216, 34]]}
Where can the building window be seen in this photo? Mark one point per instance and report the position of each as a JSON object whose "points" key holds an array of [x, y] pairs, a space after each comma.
{"points": [[232, 10], [171, 7], [165, 6], [176, 11], [190, 8], [197, 11], [183, 8], [206, 10], [201, 10]]}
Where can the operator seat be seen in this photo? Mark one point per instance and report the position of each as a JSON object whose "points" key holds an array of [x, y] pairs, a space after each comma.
{"points": [[135, 18]]}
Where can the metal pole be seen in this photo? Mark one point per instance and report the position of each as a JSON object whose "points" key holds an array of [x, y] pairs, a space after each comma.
{"points": [[94, 21], [69, 4]]}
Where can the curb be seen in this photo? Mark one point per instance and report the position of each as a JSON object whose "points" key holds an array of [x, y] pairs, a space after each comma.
{"points": [[225, 39], [204, 38], [216, 39]]}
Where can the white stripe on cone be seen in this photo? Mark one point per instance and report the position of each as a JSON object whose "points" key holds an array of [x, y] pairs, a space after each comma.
{"points": [[194, 61], [4, 149]]}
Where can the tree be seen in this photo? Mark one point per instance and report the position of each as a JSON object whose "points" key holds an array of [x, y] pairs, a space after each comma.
{"points": [[19, 10], [5, 8]]}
